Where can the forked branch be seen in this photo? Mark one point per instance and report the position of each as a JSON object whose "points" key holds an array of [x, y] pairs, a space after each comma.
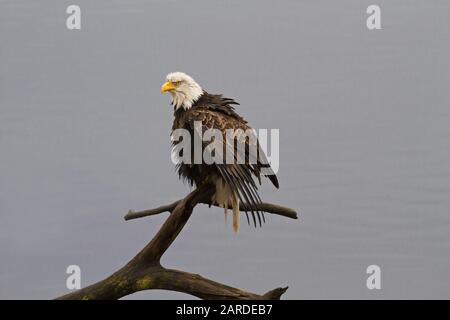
{"points": [[144, 271]]}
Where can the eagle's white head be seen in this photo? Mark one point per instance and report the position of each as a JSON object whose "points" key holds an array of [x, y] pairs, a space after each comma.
{"points": [[183, 89]]}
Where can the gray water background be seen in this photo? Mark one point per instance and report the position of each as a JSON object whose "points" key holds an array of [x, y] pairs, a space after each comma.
{"points": [[364, 120]]}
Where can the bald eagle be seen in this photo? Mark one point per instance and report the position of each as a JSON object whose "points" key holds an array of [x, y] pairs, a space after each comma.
{"points": [[235, 183]]}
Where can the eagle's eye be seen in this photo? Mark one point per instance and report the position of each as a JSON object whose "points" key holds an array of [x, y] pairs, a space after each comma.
{"points": [[175, 83]]}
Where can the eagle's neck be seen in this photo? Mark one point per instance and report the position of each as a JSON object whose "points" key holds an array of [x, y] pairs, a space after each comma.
{"points": [[187, 97]]}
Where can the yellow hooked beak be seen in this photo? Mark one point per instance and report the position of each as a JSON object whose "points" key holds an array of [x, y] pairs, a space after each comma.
{"points": [[167, 86]]}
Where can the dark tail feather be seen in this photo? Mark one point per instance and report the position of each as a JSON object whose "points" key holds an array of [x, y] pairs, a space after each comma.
{"points": [[274, 180]]}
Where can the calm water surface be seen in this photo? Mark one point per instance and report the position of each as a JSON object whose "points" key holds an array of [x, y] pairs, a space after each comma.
{"points": [[364, 120]]}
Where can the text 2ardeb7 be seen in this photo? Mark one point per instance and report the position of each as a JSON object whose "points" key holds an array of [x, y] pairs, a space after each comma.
{"points": [[232, 309]]}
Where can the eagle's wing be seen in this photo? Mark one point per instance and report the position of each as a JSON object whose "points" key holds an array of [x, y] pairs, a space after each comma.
{"points": [[238, 175]]}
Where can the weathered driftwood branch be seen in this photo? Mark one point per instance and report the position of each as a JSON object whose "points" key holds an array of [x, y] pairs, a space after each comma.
{"points": [[144, 271]]}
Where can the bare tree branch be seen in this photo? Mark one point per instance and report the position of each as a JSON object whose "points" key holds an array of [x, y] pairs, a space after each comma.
{"points": [[127, 281], [265, 207], [144, 271]]}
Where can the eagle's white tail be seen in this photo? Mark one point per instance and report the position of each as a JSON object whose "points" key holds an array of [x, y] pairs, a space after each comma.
{"points": [[226, 198], [235, 205]]}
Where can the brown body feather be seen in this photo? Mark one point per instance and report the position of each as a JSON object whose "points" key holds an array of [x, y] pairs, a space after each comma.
{"points": [[234, 182]]}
